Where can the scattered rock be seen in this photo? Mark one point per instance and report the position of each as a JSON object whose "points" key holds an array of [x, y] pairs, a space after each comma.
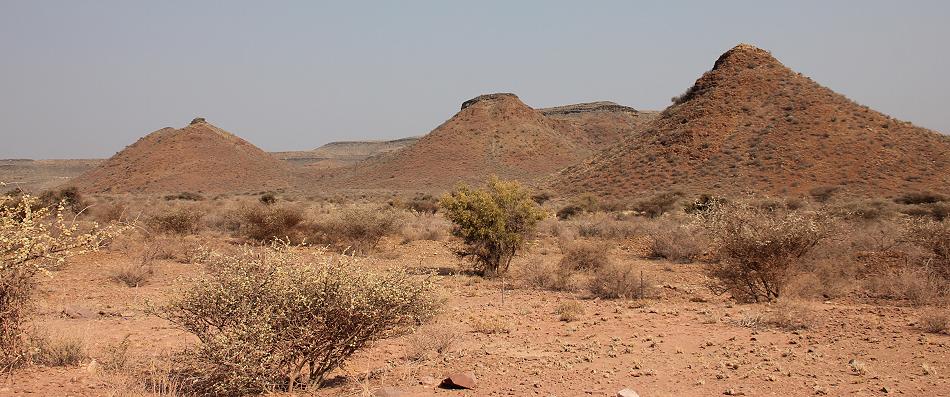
{"points": [[459, 380], [93, 367], [627, 393], [389, 392], [77, 312]]}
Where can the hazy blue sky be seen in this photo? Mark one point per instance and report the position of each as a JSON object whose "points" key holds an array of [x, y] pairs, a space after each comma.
{"points": [[86, 78]]}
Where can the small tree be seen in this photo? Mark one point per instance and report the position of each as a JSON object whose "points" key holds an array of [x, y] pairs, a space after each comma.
{"points": [[269, 320], [33, 238], [494, 222], [757, 248]]}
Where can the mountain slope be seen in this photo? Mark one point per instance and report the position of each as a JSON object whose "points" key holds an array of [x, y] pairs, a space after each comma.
{"points": [[198, 157], [603, 124], [753, 125], [491, 134]]}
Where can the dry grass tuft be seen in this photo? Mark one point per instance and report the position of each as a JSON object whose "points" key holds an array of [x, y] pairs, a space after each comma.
{"points": [[580, 255], [425, 226], [569, 311], [618, 281], [548, 276], [676, 242], [935, 321], [61, 352], [433, 341], [179, 219], [491, 326]]}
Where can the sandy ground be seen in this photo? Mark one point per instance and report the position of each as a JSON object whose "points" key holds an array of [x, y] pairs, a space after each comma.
{"points": [[683, 342]]}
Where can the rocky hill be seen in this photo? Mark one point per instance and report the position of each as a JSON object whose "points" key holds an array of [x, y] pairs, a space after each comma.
{"points": [[197, 158], [753, 125]]}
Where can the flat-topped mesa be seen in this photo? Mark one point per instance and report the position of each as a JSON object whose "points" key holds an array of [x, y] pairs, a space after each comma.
{"points": [[588, 107], [490, 97], [745, 55]]}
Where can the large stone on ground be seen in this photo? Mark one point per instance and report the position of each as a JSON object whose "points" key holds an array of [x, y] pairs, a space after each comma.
{"points": [[460, 380], [627, 393]]}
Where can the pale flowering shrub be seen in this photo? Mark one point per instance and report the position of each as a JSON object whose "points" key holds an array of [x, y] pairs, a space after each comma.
{"points": [[757, 248], [33, 239], [270, 320]]}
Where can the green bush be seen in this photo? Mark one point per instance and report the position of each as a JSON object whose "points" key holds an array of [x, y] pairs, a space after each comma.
{"points": [[494, 222], [270, 321]]}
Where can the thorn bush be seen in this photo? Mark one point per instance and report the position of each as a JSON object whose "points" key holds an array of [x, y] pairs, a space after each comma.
{"points": [[267, 320]]}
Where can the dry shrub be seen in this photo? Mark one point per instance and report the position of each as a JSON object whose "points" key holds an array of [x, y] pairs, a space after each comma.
{"points": [[185, 196], [605, 226], [919, 198], [619, 281], [263, 223], [822, 279], [69, 198], [676, 242], [177, 219], [108, 212], [914, 285], [790, 315], [491, 326], [784, 314], [934, 238], [864, 210], [658, 204], [424, 227], [580, 255], [935, 321], [356, 230], [115, 356], [423, 204], [268, 320], [132, 275], [548, 276], [823, 194], [433, 341], [135, 274], [757, 248], [60, 352], [579, 205], [569, 311]]}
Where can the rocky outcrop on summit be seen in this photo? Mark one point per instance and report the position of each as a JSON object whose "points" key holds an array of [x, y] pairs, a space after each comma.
{"points": [[753, 125], [602, 124], [197, 158]]}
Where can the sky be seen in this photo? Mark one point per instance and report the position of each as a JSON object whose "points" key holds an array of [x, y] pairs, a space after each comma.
{"points": [[84, 79]]}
